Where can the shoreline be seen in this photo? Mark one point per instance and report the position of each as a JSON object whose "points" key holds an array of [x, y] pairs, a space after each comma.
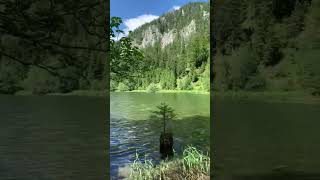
{"points": [[193, 164], [266, 96], [89, 93], [169, 91], [271, 97]]}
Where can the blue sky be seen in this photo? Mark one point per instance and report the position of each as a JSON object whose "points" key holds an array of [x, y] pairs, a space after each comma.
{"points": [[137, 12]]}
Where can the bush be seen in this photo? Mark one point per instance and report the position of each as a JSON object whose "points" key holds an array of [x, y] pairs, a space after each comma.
{"points": [[113, 85], [71, 82], [184, 83], [197, 86], [123, 87], [10, 76], [205, 78], [193, 164], [40, 81], [98, 85], [256, 83], [153, 88], [84, 84]]}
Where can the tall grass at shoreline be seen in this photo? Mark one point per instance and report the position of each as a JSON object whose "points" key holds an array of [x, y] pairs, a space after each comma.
{"points": [[192, 165]]}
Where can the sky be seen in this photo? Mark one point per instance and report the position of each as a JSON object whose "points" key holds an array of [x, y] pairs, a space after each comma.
{"points": [[135, 13]]}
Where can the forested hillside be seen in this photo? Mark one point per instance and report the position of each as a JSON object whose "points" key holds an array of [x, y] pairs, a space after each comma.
{"points": [[52, 46], [270, 45], [175, 49]]}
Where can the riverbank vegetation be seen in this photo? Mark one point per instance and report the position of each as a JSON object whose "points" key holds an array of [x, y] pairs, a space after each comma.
{"points": [[52, 47], [192, 165], [165, 55], [270, 46]]}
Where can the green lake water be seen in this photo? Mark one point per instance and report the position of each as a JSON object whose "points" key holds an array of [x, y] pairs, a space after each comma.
{"points": [[133, 131], [52, 137], [256, 140]]}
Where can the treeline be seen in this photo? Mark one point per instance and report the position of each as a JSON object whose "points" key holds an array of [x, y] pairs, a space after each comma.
{"points": [[270, 45], [183, 63], [52, 46]]}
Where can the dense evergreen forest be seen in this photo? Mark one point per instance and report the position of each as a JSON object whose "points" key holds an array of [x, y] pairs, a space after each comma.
{"points": [[174, 53], [52, 46], [270, 45], [60, 46]]}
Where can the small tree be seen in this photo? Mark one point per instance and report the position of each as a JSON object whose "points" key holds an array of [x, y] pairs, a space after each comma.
{"points": [[153, 88], [165, 112]]}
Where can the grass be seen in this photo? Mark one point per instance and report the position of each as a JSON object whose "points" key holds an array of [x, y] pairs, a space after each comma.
{"points": [[192, 165]]}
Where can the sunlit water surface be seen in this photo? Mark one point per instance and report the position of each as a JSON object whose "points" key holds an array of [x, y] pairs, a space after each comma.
{"points": [[134, 132]]}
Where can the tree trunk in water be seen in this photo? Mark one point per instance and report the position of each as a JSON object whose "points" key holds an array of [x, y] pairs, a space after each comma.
{"points": [[166, 145]]}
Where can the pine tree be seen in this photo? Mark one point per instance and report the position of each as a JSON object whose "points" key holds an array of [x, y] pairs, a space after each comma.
{"points": [[165, 113]]}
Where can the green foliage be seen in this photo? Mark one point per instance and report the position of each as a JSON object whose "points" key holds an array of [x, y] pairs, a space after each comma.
{"points": [[10, 76], [222, 68], [98, 85], [167, 79], [310, 79], [270, 46], [113, 85], [153, 88], [181, 63], [193, 164], [256, 82], [43, 35], [122, 87], [193, 159], [205, 78], [68, 51], [235, 72], [242, 65], [40, 82], [184, 83], [165, 113], [125, 58]]}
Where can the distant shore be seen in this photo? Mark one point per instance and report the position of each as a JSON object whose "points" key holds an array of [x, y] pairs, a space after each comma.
{"points": [[174, 91], [268, 96], [73, 93]]}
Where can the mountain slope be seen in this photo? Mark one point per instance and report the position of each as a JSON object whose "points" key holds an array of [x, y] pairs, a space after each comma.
{"points": [[267, 46], [176, 50]]}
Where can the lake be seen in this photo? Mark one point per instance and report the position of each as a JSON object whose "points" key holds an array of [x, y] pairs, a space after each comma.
{"points": [[53, 137], [134, 132], [267, 141]]}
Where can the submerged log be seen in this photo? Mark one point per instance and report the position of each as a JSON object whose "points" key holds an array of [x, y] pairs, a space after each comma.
{"points": [[166, 145]]}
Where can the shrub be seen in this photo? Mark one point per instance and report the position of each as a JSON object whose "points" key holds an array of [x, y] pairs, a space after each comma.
{"points": [[113, 85], [98, 85], [123, 87], [40, 81], [194, 164], [10, 76], [153, 88], [256, 83], [184, 83]]}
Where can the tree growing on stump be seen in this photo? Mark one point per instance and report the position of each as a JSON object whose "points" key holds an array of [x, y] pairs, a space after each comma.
{"points": [[165, 113]]}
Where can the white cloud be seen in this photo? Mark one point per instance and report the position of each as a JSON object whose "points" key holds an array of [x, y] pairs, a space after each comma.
{"points": [[176, 8], [134, 23]]}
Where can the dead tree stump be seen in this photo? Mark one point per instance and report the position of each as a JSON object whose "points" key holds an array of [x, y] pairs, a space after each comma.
{"points": [[166, 145]]}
